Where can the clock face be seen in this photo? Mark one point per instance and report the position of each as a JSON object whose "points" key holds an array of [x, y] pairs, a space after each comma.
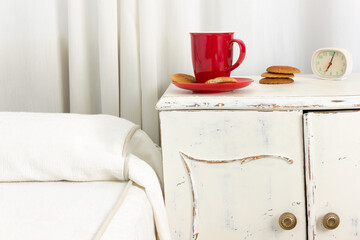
{"points": [[329, 64]]}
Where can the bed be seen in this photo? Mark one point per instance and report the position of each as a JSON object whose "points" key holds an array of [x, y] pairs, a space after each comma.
{"points": [[71, 176]]}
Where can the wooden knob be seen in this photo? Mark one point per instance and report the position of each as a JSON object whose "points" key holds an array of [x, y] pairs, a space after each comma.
{"points": [[331, 221], [287, 221]]}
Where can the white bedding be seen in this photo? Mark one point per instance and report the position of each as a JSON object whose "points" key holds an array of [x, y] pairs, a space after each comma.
{"points": [[68, 210], [49, 147]]}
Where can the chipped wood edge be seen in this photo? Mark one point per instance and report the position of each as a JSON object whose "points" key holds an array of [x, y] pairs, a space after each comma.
{"points": [[194, 202], [337, 111], [309, 179], [193, 190], [252, 103], [241, 160]]}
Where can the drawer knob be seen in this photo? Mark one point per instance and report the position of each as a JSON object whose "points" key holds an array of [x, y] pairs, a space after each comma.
{"points": [[287, 221], [331, 221]]}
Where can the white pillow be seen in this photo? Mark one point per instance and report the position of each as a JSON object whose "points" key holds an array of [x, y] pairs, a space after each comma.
{"points": [[52, 147]]}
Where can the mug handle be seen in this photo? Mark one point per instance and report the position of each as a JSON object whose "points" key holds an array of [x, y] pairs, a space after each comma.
{"points": [[241, 56]]}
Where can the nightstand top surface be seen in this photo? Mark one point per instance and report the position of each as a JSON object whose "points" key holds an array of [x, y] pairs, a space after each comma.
{"points": [[306, 93]]}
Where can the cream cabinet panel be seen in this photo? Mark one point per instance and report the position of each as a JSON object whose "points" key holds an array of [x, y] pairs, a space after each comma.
{"points": [[232, 174], [332, 141]]}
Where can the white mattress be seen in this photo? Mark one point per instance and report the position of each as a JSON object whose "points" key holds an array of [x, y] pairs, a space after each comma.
{"points": [[68, 210]]}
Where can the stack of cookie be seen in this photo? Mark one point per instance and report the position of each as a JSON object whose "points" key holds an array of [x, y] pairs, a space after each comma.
{"points": [[278, 75]]}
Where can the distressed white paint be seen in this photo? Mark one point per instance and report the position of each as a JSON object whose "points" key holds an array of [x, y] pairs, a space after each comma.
{"points": [[233, 200], [333, 172], [306, 93], [216, 131]]}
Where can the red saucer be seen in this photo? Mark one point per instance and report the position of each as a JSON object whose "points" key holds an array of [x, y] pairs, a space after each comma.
{"points": [[215, 87]]}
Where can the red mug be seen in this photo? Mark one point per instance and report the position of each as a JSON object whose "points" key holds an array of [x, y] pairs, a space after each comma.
{"points": [[212, 55]]}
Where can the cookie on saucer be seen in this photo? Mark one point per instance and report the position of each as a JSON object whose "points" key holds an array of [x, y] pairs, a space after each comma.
{"points": [[183, 78], [221, 80]]}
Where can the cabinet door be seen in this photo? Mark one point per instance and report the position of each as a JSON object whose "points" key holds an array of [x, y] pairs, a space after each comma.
{"points": [[332, 141], [232, 174]]}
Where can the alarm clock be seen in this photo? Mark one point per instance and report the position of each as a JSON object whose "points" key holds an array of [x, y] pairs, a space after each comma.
{"points": [[331, 63]]}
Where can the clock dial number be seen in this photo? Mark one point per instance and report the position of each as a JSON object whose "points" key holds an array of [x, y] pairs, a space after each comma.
{"points": [[330, 63]]}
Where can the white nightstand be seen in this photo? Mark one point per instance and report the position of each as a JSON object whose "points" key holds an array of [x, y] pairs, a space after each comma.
{"points": [[235, 162]]}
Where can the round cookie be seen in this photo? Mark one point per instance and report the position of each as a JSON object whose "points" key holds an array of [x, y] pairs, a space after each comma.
{"points": [[183, 78], [221, 80], [282, 69], [276, 80], [277, 75]]}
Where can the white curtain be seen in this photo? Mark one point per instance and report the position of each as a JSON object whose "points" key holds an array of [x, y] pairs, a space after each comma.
{"points": [[116, 56]]}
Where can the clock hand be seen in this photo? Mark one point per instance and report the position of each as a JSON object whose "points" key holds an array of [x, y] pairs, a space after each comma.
{"points": [[330, 63]]}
